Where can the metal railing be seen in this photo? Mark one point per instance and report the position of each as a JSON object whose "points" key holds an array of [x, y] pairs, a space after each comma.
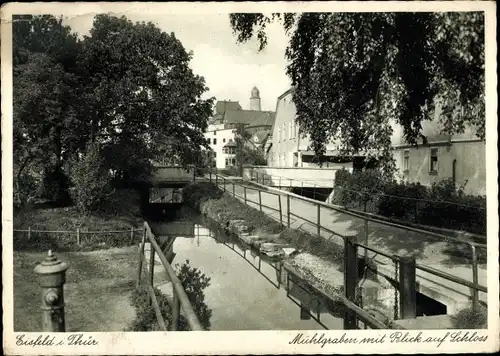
{"points": [[286, 182], [223, 182], [180, 298]]}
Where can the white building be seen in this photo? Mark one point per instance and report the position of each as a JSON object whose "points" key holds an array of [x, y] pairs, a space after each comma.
{"points": [[460, 157], [291, 149], [222, 127]]}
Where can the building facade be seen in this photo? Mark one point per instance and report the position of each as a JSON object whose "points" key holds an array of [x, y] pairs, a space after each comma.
{"points": [[222, 127], [460, 157], [290, 148]]}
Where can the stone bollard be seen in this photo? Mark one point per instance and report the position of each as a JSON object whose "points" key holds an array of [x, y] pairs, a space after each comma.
{"points": [[52, 276]]}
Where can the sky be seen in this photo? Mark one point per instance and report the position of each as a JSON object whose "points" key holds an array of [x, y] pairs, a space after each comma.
{"points": [[230, 70]]}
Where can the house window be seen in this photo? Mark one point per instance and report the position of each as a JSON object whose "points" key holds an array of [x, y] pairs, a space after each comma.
{"points": [[227, 162], [215, 133], [215, 141], [233, 161], [433, 164], [406, 161], [223, 140]]}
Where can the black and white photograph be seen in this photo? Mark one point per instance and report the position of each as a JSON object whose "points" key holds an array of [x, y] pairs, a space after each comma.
{"points": [[320, 177]]}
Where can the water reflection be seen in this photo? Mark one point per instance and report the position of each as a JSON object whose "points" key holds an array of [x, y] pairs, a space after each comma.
{"points": [[248, 291]]}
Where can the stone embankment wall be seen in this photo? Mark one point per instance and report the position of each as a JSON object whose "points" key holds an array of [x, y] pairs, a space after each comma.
{"points": [[303, 254]]}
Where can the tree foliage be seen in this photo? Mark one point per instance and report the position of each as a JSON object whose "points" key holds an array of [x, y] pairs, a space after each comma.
{"points": [[356, 74], [246, 152], [126, 86], [91, 180]]}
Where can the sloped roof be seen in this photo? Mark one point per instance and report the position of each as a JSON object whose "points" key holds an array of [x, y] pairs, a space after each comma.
{"points": [[222, 106], [230, 144], [262, 135], [250, 117]]}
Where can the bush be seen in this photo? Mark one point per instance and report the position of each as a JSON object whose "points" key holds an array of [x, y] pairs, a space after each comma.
{"points": [[469, 318], [441, 205], [91, 181], [194, 283], [392, 205], [230, 171]]}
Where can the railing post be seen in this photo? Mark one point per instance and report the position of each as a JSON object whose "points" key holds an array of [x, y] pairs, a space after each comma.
{"points": [[257, 176], [151, 270], [407, 291], [216, 182], [131, 235], [281, 211], [318, 213], [475, 292], [350, 278], [52, 276], [314, 191], [210, 176], [78, 241], [260, 200], [141, 253], [224, 180], [234, 194], [288, 209], [245, 194], [175, 312], [279, 185], [194, 174], [29, 232]]}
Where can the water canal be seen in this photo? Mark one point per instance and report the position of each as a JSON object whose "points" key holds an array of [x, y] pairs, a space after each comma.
{"points": [[247, 291]]}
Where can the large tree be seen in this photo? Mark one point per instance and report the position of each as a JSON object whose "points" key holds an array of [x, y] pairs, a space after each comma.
{"points": [[126, 88], [357, 73], [141, 97], [45, 101]]}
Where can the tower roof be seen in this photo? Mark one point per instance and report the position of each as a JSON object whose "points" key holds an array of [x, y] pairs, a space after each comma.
{"points": [[255, 93]]}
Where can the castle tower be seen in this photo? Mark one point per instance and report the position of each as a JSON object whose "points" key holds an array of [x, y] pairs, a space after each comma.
{"points": [[255, 99]]}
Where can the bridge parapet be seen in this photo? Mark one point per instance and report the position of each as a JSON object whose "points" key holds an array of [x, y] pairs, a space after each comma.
{"points": [[306, 177], [165, 174]]}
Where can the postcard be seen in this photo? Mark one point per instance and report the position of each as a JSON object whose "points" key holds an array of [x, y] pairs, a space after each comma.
{"points": [[249, 178]]}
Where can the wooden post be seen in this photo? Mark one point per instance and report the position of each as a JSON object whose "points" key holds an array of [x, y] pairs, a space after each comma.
{"points": [[175, 312], [288, 209], [194, 174], [260, 200], [350, 278], [407, 291], [281, 211], [29, 232], [224, 183], [78, 241], [151, 269], [216, 183], [366, 239], [279, 185], [475, 292], [318, 213], [131, 235], [314, 191], [234, 194], [257, 176], [245, 194], [141, 253]]}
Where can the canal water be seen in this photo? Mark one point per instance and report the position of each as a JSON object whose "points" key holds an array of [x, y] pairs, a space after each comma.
{"points": [[247, 291]]}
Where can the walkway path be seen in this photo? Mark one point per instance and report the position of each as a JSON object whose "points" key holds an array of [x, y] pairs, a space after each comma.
{"points": [[448, 257]]}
